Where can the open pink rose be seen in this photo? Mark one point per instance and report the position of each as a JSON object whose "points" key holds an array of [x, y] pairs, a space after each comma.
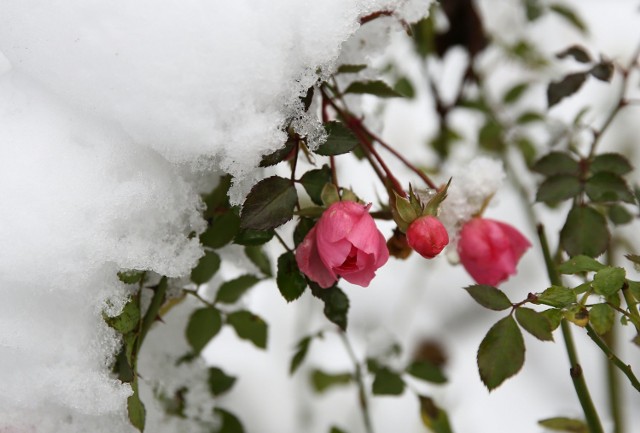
{"points": [[490, 250], [344, 243]]}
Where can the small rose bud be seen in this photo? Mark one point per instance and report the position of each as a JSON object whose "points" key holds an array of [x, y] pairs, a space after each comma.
{"points": [[490, 250], [427, 236]]}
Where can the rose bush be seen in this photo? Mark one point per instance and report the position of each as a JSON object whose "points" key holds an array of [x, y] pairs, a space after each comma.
{"points": [[427, 236], [490, 250], [345, 243]]}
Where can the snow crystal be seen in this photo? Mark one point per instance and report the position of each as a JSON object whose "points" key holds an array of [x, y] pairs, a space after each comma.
{"points": [[112, 114]]}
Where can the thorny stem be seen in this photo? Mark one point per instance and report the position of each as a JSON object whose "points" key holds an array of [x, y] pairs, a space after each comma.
{"points": [[625, 368], [580, 385], [362, 394]]}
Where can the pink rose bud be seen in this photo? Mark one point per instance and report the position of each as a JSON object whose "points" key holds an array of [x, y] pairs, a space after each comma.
{"points": [[344, 243], [490, 250], [427, 236]]}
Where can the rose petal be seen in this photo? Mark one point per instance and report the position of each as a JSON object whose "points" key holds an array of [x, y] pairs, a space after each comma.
{"points": [[311, 264]]}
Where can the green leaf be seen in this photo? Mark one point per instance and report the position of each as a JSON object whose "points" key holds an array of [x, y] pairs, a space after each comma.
{"points": [[314, 180], [387, 382], [218, 198], [302, 228], [603, 71], [322, 381], [280, 154], [565, 425], [579, 264], [489, 297], [229, 423], [135, 408], [219, 381], [569, 15], [570, 84], [611, 162], [554, 316], [329, 196], [249, 237], [557, 296], [335, 429], [376, 88], [221, 231], [619, 215], [491, 137], [608, 281], [556, 163], [350, 69], [577, 314], [425, 370], [340, 140], [131, 276], [230, 291], [204, 324], [529, 117], [534, 323], [578, 53], [527, 149], [501, 353], [269, 204], [404, 87], [601, 317], [260, 259], [634, 288], [206, 268], [302, 348], [433, 417], [291, 282], [585, 232], [127, 320], [558, 188], [336, 304], [605, 186], [514, 93], [250, 327]]}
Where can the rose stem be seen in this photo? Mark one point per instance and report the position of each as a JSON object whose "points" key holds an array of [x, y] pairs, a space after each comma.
{"points": [[590, 413], [362, 394]]}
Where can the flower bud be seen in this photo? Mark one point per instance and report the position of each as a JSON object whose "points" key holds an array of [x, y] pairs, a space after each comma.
{"points": [[490, 250], [427, 236]]}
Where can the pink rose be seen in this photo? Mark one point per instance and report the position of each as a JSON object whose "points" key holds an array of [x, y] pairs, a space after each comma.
{"points": [[490, 250], [344, 243], [427, 236]]}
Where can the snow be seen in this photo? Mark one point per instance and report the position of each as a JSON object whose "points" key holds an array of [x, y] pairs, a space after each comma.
{"points": [[113, 115]]}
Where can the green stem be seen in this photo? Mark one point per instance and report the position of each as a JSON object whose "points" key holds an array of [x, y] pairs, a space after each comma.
{"points": [[625, 368], [613, 381], [631, 306], [362, 394], [580, 385]]}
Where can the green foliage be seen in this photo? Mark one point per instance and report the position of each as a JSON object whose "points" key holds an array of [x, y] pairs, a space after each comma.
{"points": [[135, 408], [340, 140], [489, 297], [280, 154], [302, 228], [336, 304], [260, 259], [387, 382], [491, 136], [567, 86], [554, 316], [557, 296], [619, 215], [570, 16], [501, 353], [579, 264], [611, 163], [350, 69], [578, 315], [206, 268], [433, 417], [603, 71], [221, 230], [314, 181], [608, 281], [608, 187], [204, 324], [219, 381], [515, 93], [601, 318], [404, 87], [302, 348], [230, 291], [577, 52], [427, 371], [565, 425], [585, 232], [291, 282], [535, 323], [269, 204], [556, 163], [229, 423], [127, 320], [131, 277], [322, 381], [249, 237], [249, 326], [558, 188], [376, 87]]}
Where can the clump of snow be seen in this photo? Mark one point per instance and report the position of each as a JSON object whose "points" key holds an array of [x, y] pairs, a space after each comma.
{"points": [[111, 114], [473, 184]]}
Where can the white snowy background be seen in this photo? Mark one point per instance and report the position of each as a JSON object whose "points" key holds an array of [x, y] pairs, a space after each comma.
{"points": [[113, 117]]}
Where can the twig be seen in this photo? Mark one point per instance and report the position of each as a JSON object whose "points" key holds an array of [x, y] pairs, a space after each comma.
{"points": [[625, 368], [362, 394]]}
